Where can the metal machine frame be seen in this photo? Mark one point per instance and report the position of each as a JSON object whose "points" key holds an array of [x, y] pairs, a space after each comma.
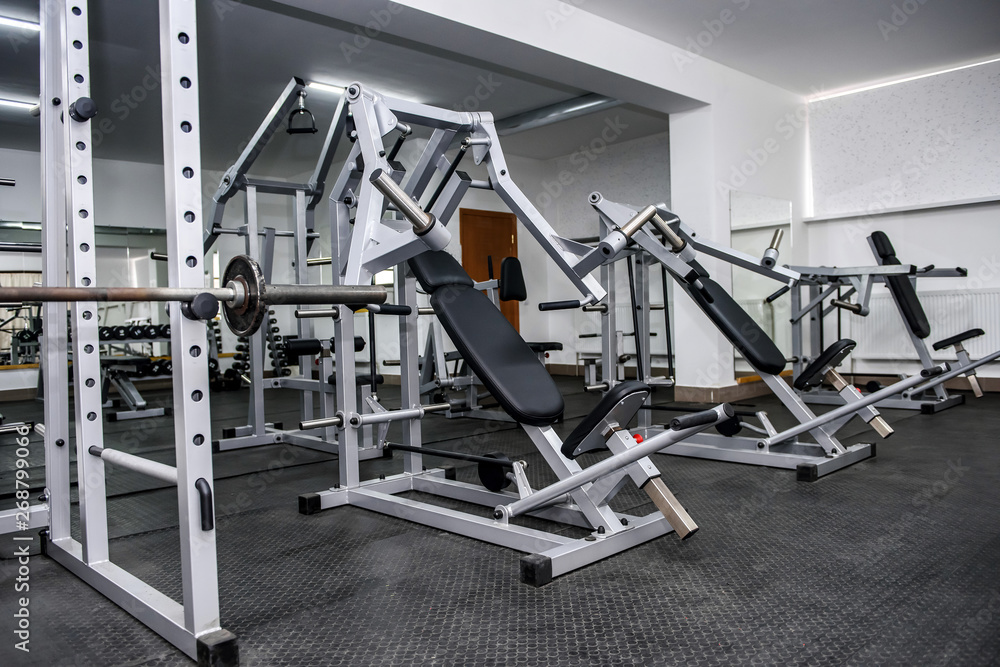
{"points": [[770, 448], [366, 243], [824, 283], [260, 245]]}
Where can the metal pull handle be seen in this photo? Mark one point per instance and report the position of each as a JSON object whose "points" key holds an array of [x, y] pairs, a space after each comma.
{"points": [[205, 504]]}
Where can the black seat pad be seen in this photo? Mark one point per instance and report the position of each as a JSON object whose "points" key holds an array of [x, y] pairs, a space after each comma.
{"points": [[593, 420], [901, 288], [958, 338], [512, 286], [547, 346], [812, 375], [737, 326], [498, 355]]}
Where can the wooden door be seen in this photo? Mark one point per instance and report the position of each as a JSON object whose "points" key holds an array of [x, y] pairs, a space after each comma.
{"points": [[489, 234]]}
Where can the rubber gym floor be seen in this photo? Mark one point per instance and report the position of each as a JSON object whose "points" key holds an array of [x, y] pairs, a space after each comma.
{"points": [[895, 560]]}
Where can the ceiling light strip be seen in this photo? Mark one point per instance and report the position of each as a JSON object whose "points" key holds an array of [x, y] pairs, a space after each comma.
{"points": [[18, 23], [820, 98]]}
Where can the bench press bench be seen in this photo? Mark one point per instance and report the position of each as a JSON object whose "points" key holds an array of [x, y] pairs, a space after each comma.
{"points": [[767, 446], [511, 371], [904, 295]]}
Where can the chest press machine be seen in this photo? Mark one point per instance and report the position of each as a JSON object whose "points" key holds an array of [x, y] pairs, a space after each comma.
{"points": [[900, 279], [769, 447], [372, 185]]}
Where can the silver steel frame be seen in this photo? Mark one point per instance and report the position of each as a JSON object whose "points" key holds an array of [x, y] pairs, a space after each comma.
{"points": [[823, 282], [811, 460], [368, 242], [260, 245], [68, 233]]}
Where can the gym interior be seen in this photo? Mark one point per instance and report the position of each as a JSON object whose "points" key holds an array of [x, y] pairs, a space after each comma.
{"points": [[582, 332]]}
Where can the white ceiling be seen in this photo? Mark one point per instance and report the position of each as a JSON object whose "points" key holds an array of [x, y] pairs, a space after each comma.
{"points": [[810, 46], [247, 54], [250, 49]]}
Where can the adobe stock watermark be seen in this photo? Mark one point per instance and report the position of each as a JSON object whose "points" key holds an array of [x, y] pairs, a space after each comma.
{"points": [[898, 17], [786, 127], [487, 86], [22, 519], [582, 159], [567, 8], [364, 34], [698, 43]]}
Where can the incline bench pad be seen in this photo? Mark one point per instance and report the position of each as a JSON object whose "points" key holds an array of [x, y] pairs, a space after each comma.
{"points": [[488, 343], [736, 325], [902, 289], [958, 338]]}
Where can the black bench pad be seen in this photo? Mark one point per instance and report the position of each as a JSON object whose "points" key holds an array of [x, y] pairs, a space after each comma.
{"points": [[547, 346], [958, 338], [812, 375], [578, 441], [498, 355], [901, 288], [737, 326]]}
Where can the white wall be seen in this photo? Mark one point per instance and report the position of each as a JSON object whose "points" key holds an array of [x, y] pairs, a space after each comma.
{"points": [[916, 160], [926, 141]]}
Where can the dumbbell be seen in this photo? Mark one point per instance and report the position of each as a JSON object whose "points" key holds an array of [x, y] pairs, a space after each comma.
{"points": [[150, 331], [136, 331], [119, 332], [213, 365], [104, 333]]}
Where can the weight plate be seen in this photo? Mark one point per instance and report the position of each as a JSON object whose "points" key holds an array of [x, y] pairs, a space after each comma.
{"points": [[245, 320], [494, 477], [729, 427]]}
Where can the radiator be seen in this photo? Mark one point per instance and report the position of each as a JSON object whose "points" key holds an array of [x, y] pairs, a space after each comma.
{"points": [[882, 335]]}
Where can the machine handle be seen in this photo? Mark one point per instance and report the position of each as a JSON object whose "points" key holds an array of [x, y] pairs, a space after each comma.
{"points": [[559, 305], [935, 370], [777, 294], [700, 418], [390, 309], [846, 305], [205, 504]]}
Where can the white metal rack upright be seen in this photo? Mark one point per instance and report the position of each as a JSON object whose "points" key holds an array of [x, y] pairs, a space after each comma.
{"points": [[69, 258]]}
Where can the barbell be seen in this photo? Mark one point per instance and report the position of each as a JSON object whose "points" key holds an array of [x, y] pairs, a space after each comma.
{"points": [[245, 297]]}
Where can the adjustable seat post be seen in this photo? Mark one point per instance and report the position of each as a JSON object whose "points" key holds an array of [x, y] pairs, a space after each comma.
{"points": [[963, 359], [849, 393]]}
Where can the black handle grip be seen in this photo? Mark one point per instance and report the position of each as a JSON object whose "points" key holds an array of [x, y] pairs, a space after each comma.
{"points": [[205, 503], [700, 418], [590, 335], [929, 267], [936, 370], [390, 309], [778, 294], [962, 272], [559, 305]]}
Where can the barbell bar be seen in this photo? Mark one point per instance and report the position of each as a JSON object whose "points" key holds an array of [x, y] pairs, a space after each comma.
{"points": [[245, 298]]}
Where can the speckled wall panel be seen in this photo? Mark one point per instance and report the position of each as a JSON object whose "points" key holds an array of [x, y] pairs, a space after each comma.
{"points": [[926, 141]]}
